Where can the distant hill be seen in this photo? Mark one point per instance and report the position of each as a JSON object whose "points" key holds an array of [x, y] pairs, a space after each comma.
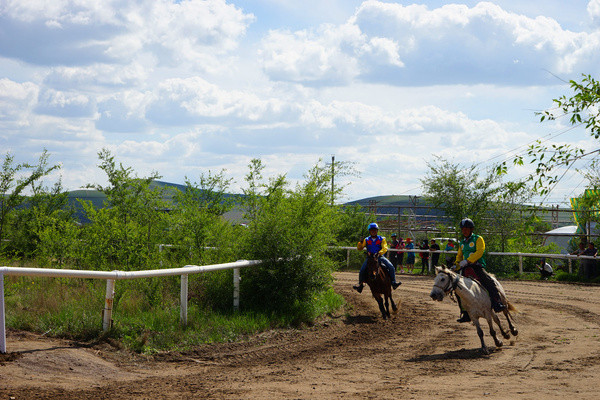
{"points": [[99, 199]]}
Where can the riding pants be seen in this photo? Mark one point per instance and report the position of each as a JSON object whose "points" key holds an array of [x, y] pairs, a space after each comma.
{"points": [[486, 280], [362, 275]]}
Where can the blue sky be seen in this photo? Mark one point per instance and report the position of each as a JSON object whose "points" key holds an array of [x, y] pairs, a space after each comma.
{"points": [[184, 87]]}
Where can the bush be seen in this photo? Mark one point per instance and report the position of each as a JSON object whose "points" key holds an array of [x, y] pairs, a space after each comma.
{"points": [[290, 231]]}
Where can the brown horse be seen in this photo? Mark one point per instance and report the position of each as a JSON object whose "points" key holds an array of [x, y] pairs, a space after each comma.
{"points": [[380, 284]]}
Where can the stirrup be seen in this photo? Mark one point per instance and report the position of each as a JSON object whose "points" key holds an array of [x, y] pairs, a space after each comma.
{"points": [[395, 285], [499, 307]]}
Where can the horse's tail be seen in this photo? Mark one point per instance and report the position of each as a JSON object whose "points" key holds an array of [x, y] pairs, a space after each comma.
{"points": [[511, 308]]}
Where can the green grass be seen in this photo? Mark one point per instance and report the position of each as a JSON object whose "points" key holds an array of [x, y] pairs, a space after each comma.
{"points": [[146, 313]]}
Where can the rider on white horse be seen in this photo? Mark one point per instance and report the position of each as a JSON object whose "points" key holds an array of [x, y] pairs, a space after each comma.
{"points": [[375, 244], [471, 252]]}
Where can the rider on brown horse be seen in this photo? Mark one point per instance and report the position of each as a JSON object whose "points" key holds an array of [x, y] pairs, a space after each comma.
{"points": [[375, 244], [471, 254]]}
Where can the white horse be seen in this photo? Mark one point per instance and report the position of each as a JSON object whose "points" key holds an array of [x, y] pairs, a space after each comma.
{"points": [[475, 300]]}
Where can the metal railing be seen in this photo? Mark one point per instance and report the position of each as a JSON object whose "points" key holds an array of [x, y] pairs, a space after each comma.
{"points": [[567, 257], [112, 276]]}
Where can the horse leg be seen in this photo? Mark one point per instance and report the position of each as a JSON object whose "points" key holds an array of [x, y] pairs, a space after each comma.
{"points": [[484, 348], [381, 308], [394, 306], [387, 305], [505, 334], [497, 341], [512, 328]]}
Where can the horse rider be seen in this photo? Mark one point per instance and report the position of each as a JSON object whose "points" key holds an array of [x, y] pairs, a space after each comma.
{"points": [[471, 253], [375, 244]]}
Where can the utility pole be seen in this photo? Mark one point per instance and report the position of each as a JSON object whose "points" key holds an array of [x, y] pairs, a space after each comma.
{"points": [[332, 176]]}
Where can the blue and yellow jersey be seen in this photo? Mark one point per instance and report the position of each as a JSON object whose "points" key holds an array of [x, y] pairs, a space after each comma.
{"points": [[374, 245]]}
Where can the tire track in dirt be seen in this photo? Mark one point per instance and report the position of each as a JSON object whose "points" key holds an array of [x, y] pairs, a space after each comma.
{"points": [[356, 355]]}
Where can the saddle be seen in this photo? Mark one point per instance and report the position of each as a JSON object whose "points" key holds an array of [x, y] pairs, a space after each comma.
{"points": [[469, 272]]}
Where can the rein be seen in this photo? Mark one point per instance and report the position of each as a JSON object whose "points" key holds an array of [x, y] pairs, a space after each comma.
{"points": [[452, 282]]}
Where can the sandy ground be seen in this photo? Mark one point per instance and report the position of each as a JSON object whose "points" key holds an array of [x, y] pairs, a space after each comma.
{"points": [[422, 353]]}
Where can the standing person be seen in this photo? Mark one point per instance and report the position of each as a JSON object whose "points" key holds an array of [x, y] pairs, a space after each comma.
{"points": [[374, 244], [471, 252], [410, 256], [589, 266], [545, 269], [402, 246], [435, 257], [450, 257], [393, 255], [424, 257]]}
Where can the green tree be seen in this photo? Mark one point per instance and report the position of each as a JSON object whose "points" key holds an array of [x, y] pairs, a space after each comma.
{"points": [[290, 230], [493, 205], [554, 160], [460, 191], [127, 231], [197, 216], [12, 186], [45, 208]]}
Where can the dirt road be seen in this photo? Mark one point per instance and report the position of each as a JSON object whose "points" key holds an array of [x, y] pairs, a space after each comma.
{"points": [[422, 353]]}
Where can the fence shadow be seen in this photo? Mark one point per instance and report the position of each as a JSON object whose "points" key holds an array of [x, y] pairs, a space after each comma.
{"points": [[360, 319]]}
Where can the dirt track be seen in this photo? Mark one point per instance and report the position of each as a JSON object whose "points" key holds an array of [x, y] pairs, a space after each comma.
{"points": [[422, 353]]}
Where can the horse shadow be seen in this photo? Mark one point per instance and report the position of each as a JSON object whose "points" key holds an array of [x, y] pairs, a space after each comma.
{"points": [[462, 354]]}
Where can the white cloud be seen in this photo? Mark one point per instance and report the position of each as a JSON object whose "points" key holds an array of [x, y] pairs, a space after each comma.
{"points": [[82, 32], [593, 9], [412, 45]]}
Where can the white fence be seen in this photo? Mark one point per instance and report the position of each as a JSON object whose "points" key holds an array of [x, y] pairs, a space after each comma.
{"points": [[112, 276], [567, 257]]}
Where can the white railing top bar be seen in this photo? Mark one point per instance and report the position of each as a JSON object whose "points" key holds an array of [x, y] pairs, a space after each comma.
{"points": [[119, 275], [492, 253]]}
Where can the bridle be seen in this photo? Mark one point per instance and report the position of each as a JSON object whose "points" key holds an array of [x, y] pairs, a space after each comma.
{"points": [[451, 285]]}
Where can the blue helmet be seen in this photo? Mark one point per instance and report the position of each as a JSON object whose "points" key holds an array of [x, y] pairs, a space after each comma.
{"points": [[373, 225]]}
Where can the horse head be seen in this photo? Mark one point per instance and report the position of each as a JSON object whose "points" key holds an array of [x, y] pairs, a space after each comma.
{"points": [[444, 282], [372, 266]]}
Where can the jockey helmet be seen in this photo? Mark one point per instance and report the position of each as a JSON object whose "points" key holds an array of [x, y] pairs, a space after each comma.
{"points": [[373, 225], [467, 223]]}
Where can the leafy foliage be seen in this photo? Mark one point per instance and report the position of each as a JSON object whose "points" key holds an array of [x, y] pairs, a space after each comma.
{"points": [[290, 230], [460, 192], [12, 189], [494, 206], [582, 107]]}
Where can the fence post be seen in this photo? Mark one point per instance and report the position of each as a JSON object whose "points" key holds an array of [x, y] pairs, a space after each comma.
{"points": [[429, 262], [2, 321], [183, 300], [520, 263], [108, 305], [236, 289], [570, 266], [347, 258], [160, 247]]}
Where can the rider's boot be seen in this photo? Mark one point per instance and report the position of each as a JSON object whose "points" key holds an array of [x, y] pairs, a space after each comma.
{"points": [[497, 306], [359, 287], [396, 284], [464, 317]]}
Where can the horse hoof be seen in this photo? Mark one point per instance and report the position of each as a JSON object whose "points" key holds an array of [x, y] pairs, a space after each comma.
{"points": [[514, 332], [506, 336], [499, 343]]}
